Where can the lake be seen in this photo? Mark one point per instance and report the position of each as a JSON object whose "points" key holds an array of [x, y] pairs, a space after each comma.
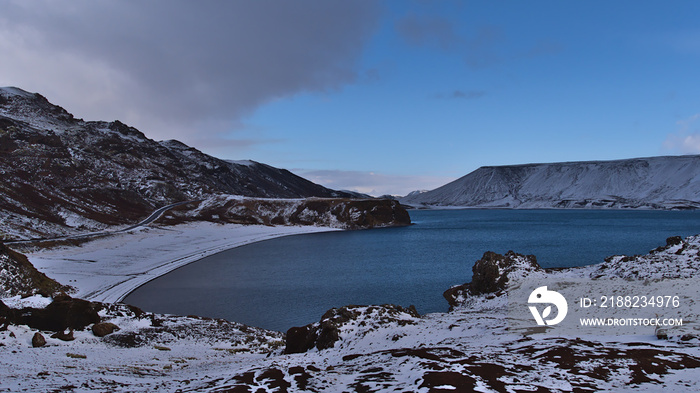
{"points": [[292, 281]]}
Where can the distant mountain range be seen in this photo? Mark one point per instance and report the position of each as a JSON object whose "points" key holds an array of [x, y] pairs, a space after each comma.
{"points": [[671, 182], [61, 174]]}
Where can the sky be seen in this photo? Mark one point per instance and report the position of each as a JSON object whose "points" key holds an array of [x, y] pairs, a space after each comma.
{"points": [[380, 97]]}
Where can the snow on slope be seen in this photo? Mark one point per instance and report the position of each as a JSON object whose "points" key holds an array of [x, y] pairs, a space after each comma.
{"points": [[63, 175], [378, 348], [651, 183]]}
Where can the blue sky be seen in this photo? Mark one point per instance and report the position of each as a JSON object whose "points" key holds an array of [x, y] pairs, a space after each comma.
{"points": [[379, 97]]}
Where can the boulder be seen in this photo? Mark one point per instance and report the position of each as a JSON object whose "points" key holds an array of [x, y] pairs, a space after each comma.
{"points": [[63, 313], [300, 339], [63, 336], [38, 340], [102, 329]]}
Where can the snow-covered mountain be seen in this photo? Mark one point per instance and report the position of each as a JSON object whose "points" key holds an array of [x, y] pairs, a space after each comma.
{"points": [[671, 182], [61, 173]]}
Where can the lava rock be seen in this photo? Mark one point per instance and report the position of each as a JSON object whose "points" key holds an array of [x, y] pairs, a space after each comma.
{"points": [[490, 274], [126, 340], [673, 240], [38, 340], [63, 313], [300, 339], [4, 309], [63, 336], [328, 335], [102, 329]]}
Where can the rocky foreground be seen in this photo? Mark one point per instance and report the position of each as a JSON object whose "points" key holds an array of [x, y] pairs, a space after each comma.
{"points": [[474, 347]]}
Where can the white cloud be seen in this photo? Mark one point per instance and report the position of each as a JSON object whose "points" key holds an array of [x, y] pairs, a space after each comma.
{"points": [[687, 139]]}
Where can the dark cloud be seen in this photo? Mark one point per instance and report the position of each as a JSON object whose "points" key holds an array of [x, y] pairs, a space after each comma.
{"points": [[174, 62]]}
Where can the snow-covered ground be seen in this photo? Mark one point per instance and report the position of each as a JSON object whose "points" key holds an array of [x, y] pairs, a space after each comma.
{"points": [[475, 347], [108, 269]]}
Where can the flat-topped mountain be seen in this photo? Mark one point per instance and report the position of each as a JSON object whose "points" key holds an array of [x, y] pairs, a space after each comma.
{"points": [[60, 173], [671, 182]]}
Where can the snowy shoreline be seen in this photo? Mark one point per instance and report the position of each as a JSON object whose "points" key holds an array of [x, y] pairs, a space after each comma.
{"points": [[108, 269], [478, 346]]}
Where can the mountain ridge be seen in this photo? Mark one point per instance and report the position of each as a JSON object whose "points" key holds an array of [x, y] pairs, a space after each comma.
{"points": [[63, 175], [662, 182]]}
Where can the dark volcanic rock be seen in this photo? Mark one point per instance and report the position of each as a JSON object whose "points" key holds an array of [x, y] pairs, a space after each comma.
{"points": [[63, 336], [126, 340], [104, 328], [673, 240], [63, 313], [326, 333], [490, 275], [4, 309], [38, 340], [300, 339]]}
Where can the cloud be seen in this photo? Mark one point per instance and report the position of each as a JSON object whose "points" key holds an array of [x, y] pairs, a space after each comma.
{"points": [[170, 66], [372, 183], [687, 139], [461, 94]]}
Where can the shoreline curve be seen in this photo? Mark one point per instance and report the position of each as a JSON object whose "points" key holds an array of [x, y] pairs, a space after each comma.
{"points": [[109, 269]]}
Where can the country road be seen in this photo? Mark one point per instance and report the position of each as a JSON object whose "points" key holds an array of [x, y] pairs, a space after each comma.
{"points": [[154, 216]]}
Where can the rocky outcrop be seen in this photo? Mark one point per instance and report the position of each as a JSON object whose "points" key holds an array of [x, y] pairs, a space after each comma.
{"points": [[19, 277], [491, 274], [332, 212], [328, 331], [678, 259], [64, 312]]}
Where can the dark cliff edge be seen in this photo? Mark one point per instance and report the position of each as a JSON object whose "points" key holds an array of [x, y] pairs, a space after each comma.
{"points": [[343, 213]]}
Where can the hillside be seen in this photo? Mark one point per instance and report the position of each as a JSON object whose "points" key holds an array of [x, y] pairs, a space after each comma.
{"points": [[19, 277], [671, 182], [341, 213], [63, 175]]}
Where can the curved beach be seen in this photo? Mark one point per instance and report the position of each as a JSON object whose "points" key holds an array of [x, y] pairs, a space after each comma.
{"points": [[108, 269]]}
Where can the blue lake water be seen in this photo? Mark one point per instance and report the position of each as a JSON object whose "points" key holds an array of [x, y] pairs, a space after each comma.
{"points": [[292, 281]]}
